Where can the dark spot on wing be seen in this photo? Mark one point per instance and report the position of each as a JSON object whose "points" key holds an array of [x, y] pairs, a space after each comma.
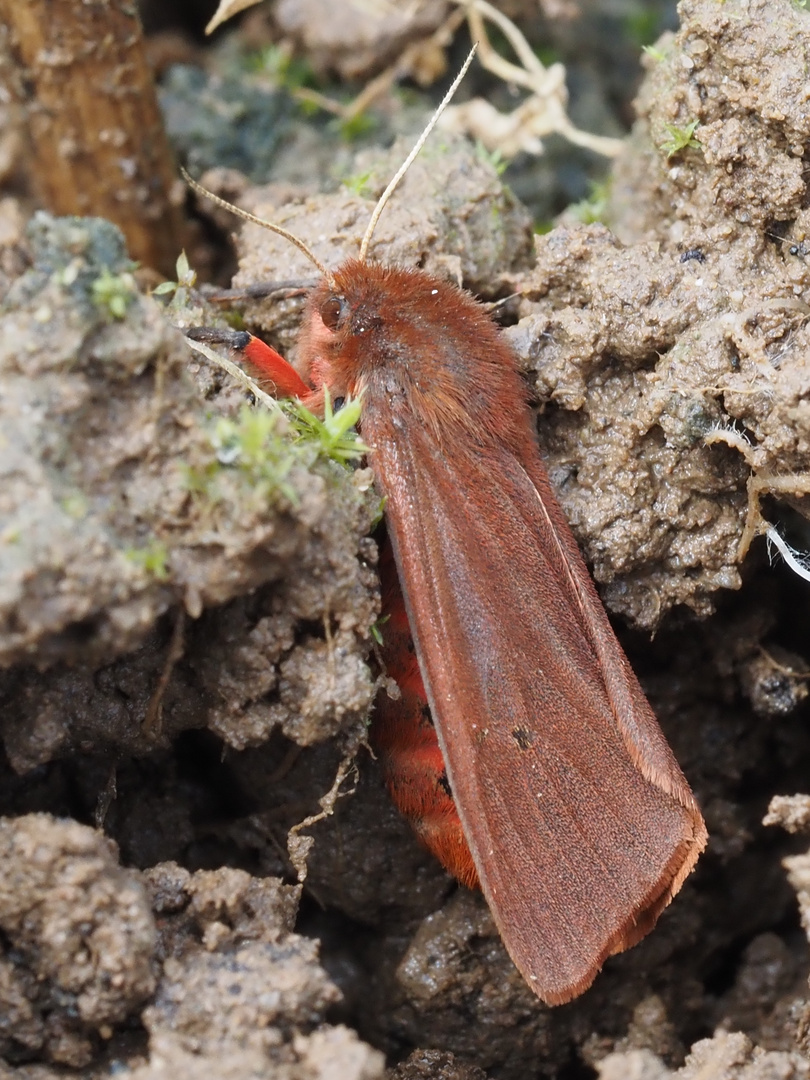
{"points": [[523, 737]]}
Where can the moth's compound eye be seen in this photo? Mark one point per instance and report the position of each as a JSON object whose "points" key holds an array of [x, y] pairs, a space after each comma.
{"points": [[332, 311]]}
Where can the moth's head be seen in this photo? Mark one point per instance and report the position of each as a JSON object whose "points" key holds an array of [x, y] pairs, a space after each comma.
{"points": [[414, 343], [340, 339], [376, 322]]}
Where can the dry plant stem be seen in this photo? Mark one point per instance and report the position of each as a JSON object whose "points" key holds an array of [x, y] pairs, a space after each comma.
{"points": [[759, 483], [784, 669], [755, 524], [298, 847], [96, 135], [543, 82], [226, 10], [402, 66], [261, 290], [106, 797], [153, 721], [380, 85], [543, 112], [532, 70]]}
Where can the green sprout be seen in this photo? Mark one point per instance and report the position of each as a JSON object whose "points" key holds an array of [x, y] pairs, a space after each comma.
{"points": [[494, 158], [333, 437], [594, 208], [376, 629], [282, 67], [355, 127], [178, 290], [358, 184], [244, 441], [75, 505], [200, 480], [654, 53], [679, 138], [113, 293], [153, 559], [379, 512]]}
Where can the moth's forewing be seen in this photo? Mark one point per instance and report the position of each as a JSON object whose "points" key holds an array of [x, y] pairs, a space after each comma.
{"points": [[579, 820]]}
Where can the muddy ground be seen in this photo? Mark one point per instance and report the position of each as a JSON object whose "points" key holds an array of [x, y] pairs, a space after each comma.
{"points": [[187, 595]]}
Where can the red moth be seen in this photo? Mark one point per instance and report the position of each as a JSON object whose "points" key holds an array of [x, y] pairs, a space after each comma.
{"points": [[555, 788]]}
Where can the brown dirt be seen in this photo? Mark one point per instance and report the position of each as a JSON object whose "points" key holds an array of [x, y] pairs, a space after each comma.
{"points": [[694, 320], [184, 631]]}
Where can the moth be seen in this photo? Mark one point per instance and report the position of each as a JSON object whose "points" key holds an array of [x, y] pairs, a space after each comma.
{"points": [[522, 748]]}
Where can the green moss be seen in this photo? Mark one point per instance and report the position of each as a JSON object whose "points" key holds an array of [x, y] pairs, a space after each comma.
{"points": [[113, 293], [234, 319], [494, 158], [358, 184], [282, 68], [546, 54], [379, 513], [654, 53], [356, 126], [153, 559], [679, 138], [261, 448], [253, 446], [199, 481], [333, 437], [593, 209], [376, 629], [75, 505]]}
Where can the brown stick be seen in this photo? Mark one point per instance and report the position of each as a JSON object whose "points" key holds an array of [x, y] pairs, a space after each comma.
{"points": [[97, 139]]}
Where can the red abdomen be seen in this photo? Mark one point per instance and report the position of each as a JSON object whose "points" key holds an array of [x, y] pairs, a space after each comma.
{"points": [[404, 739]]}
